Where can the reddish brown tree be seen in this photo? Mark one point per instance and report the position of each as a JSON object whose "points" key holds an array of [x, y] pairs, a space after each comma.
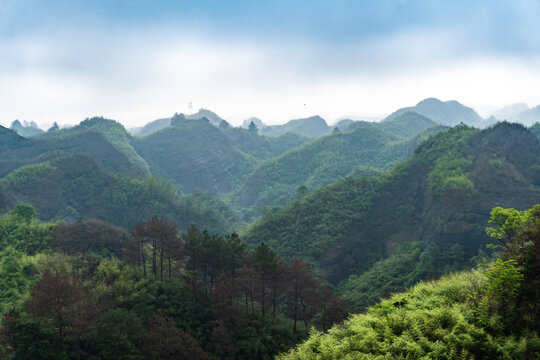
{"points": [[59, 301], [301, 292], [161, 234], [163, 340]]}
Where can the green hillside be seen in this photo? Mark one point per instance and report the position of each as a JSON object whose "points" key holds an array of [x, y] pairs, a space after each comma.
{"points": [[448, 113], [312, 127], [407, 124], [441, 196], [536, 129], [42, 148], [113, 131], [488, 313], [318, 163], [198, 155], [9, 140], [195, 155], [70, 186], [404, 125]]}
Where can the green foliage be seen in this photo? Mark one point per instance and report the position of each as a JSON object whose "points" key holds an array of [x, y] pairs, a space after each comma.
{"points": [[431, 321], [114, 132], [77, 187], [17, 275], [318, 163], [24, 212], [26, 235], [409, 264], [487, 313], [345, 227], [118, 334], [506, 222], [27, 176], [504, 279], [450, 175]]}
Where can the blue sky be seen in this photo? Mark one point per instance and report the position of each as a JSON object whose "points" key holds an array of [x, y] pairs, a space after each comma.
{"points": [[135, 61]]}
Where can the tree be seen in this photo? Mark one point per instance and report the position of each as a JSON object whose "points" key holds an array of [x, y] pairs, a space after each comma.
{"points": [[162, 234], [264, 261], [24, 212], [54, 127], [301, 292], [89, 236], [119, 335], [163, 340], [60, 302], [253, 129]]}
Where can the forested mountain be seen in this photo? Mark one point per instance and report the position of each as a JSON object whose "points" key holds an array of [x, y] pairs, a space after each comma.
{"points": [[258, 122], [159, 124], [491, 312], [404, 125], [70, 186], [90, 290], [312, 127], [441, 196], [510, 112], [322, 162], [112, 130], [17, 151], [448, 113], [29, 129], [536, 129], [151, 127], [530, 116], [196, 154]]}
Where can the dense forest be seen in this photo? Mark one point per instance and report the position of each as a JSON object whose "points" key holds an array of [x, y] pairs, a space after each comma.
{"points": [[91, 290], [190, 238], [490, 312]]}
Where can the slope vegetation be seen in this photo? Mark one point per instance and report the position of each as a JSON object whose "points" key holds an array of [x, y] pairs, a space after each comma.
{"points": [[441, 196], [196, 154], [448, 113], [71, 186], [319, 163], [488, 313]]}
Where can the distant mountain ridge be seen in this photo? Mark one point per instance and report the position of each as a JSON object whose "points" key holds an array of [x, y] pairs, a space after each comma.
{"points": [[26, 129], [159, 124], [441, 196], [313, 127], [324, 161], [448, 113]]}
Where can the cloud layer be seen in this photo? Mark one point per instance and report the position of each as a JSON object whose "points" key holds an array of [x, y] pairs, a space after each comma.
{"points": [[136, 61]]}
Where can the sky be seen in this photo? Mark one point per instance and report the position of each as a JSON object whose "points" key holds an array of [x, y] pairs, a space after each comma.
{"points": [[138, 60]]}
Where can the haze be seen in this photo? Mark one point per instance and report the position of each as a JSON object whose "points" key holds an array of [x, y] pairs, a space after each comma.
{"points": [[136, 61]]}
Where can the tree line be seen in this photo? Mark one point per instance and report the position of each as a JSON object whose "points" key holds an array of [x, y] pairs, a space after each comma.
{"points": [[92, 291]]}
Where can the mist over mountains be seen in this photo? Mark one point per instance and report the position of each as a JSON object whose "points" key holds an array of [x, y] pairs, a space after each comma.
{"points": [[351, 213]]}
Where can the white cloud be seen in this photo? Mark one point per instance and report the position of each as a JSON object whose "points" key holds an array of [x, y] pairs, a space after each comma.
{"points": [[138, 76]]}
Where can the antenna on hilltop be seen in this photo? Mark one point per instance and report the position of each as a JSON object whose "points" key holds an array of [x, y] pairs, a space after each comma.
{"points": [[190, 105]]}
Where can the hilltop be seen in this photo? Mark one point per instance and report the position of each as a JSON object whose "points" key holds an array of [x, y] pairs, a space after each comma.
{"points": [[311, 127], [448, 113], [441, 196], [322, 162]]}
